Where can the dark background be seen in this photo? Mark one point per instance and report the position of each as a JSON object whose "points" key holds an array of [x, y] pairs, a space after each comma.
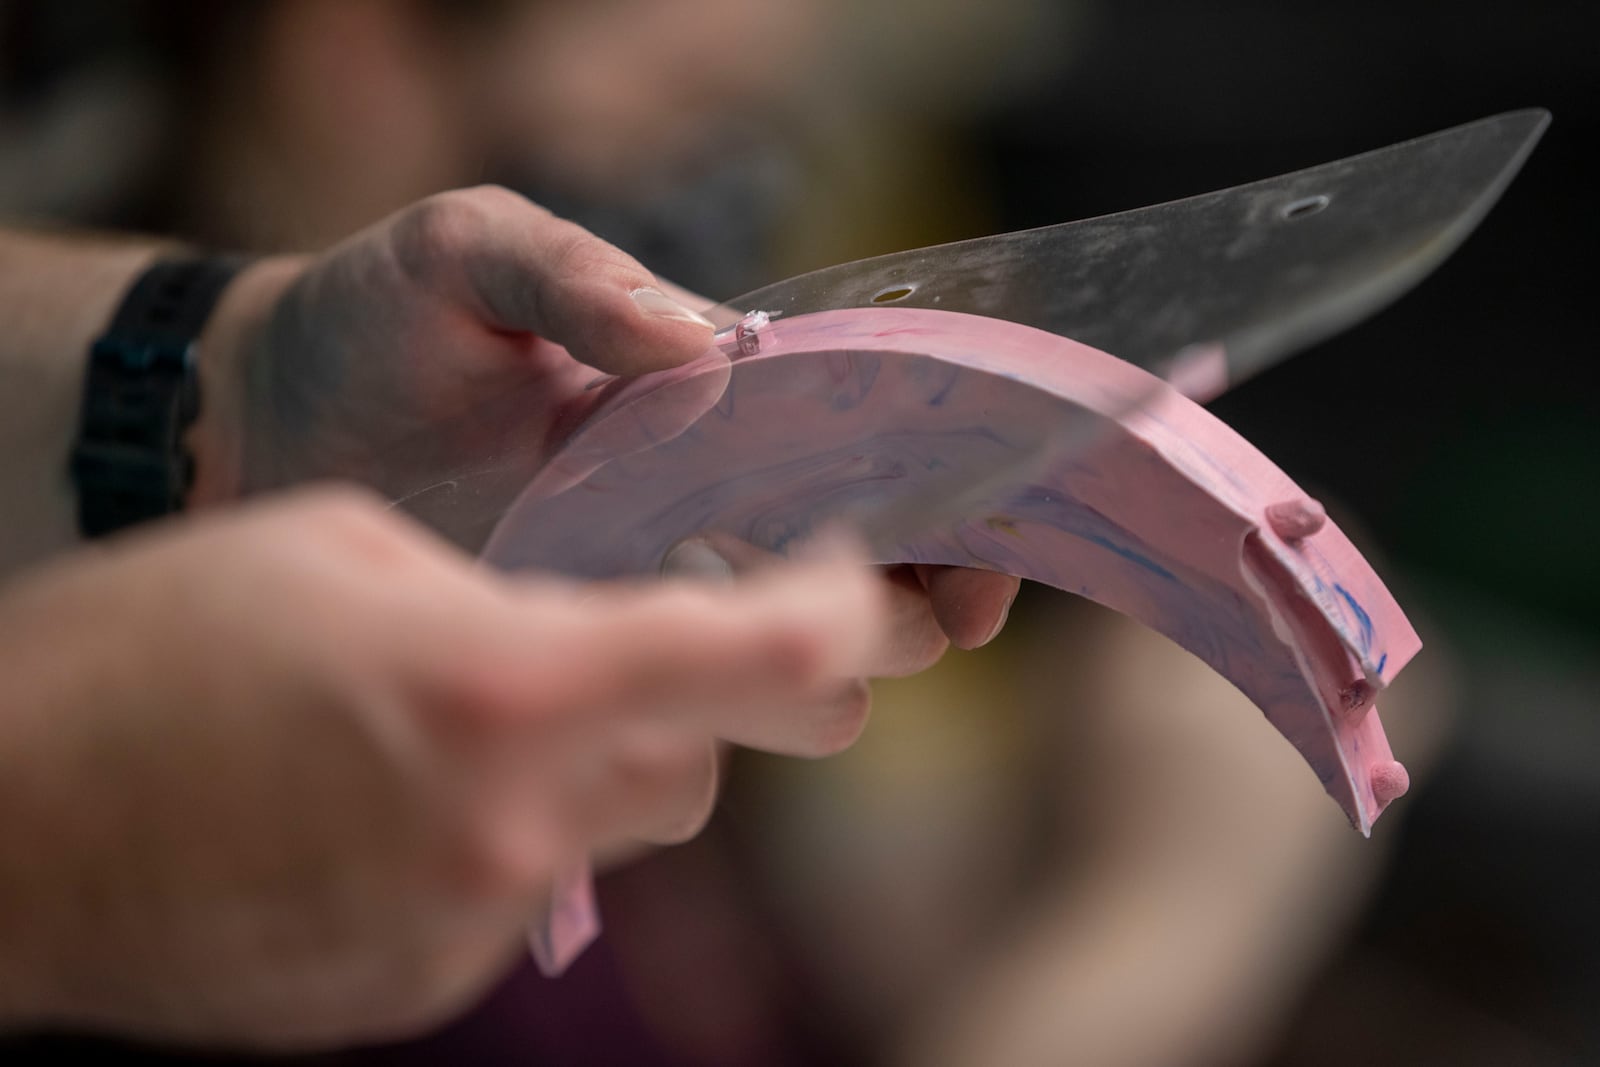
{"points": [[1460, 429]]}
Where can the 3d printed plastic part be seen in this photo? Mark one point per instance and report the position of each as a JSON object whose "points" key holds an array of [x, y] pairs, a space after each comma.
{"points": [[938, 434]]}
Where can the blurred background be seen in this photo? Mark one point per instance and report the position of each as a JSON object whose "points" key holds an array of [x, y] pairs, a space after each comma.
{"points": [[1076, 846]]}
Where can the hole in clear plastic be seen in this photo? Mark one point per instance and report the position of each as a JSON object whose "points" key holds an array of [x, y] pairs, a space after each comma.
{"points": [[893, 293], [1304, 207]]}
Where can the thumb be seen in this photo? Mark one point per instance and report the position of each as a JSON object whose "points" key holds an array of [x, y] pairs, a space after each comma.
{"points": [[520, 268]]}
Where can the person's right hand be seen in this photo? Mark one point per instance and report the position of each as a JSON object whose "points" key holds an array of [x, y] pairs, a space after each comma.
{"points": [[300, 774]]}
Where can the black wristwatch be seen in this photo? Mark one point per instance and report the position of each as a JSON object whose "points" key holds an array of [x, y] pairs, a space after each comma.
{"points": [[141, 393]]}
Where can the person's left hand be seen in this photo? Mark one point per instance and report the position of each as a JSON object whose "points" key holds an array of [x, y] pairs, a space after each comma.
{"points": [[445, 354]]}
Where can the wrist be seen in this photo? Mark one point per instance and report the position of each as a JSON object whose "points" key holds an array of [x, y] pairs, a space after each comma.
{"points": [[62, 290], [233, 338]]}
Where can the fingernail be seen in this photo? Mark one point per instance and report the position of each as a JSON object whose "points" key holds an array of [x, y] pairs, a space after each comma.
{"points": [[696, 559], [659, 305], [1000, 624]]}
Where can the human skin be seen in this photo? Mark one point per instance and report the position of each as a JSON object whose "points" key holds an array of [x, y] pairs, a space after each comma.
{"points": [[256, 645], [299, 773]]}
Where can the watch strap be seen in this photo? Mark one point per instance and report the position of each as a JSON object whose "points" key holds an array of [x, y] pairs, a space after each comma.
{"points": [[141, 393]]}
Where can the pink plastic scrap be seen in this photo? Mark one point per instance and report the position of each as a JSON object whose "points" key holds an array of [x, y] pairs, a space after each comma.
{"points": [[1160, 511]]}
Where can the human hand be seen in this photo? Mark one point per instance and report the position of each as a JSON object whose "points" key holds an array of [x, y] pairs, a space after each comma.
{"points": [[440, 357], [299, 774]]}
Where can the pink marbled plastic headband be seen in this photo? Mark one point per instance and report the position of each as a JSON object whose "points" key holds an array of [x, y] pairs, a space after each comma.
{"points": [[1164, 513]]}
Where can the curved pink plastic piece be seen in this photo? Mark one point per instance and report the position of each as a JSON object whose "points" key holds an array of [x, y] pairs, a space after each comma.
{"points": [[1165, 514], [1169, 517]]}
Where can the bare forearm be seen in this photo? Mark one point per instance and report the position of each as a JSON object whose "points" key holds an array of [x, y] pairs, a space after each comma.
{"points": [[56, 294]]}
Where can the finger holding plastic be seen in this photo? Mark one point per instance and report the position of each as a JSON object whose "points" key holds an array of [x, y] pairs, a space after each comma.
{"points": [[970, 605], [522, 269]]}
